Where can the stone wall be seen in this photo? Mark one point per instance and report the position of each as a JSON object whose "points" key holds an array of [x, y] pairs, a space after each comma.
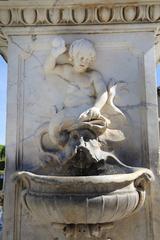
{"points": [[123, 34]]}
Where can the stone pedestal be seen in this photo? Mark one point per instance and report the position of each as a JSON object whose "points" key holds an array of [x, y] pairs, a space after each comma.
{"points": [[123, 33]]}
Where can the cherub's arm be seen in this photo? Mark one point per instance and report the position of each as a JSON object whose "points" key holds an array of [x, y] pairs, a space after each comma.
{"points": [[101, 96], [51, 65]]}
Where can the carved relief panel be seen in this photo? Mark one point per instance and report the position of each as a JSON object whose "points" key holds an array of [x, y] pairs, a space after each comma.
{"points": [[81, 103]]}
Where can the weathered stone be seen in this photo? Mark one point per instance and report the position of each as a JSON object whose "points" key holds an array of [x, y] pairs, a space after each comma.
{"points": [[81, 134]]}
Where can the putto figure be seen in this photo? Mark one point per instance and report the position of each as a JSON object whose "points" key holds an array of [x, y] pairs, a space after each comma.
{"points": [[87, 93]]}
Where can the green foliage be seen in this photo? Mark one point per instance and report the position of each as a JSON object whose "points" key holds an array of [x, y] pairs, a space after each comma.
{"points": [[2, 152], [2, 164], [2, 158]]}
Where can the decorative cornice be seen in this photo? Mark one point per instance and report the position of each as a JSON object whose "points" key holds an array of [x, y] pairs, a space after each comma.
{"points": [[3, 45], [76, 14]]}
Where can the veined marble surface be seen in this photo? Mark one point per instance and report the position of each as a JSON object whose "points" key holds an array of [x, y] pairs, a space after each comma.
{"points": [[34, 97]]}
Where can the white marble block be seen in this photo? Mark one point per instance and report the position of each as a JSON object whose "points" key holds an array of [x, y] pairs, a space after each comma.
{"points": [[123, 38]]}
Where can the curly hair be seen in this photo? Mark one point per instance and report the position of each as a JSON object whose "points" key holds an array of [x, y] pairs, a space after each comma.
{"points": [[84, 48]]}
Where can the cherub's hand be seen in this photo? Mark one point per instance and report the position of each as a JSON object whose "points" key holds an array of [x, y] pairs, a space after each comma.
{"points": [[58, 45], [91, 114]]}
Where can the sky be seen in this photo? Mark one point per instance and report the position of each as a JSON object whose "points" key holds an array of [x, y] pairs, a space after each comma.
{"points": [[3, 93], [3, 98], [158, 74]]}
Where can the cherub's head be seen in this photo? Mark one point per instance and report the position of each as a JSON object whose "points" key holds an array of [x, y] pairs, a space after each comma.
{"points": [[83, 54]]}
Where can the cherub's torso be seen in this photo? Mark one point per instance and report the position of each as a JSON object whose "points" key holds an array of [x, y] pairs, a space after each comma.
{"points": [[80, 88]]}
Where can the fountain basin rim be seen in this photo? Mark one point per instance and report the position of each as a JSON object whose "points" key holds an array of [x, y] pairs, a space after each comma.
{"points": [[64, 199], [116, 178]]}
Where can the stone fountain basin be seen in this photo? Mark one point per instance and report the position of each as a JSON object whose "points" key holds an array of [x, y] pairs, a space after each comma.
{"points": [[83, 200]]}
